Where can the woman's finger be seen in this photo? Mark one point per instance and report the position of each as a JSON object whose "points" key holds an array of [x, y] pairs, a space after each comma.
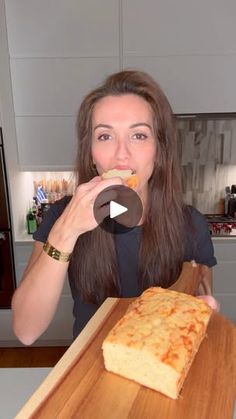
{"points": [[88, 186], [96, 185], [79, 213], [211, 301], [95, 179], [101, 186], [106, 197]]}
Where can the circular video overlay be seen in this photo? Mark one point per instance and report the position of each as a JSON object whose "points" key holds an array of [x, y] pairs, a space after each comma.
{"points": [[118, 208]]}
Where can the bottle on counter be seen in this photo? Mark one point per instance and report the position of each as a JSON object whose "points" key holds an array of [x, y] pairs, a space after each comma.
{"points": [[31, 221], [44, 206], [232, 202], [227, 198]]}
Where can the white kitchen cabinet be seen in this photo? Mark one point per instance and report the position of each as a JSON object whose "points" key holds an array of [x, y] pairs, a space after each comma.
{"points": [[185, 27], [58, 52], [46, 143], [47, 94], [56, 86], [189, 48], [224, 276], [71, 28], [193, 84]]}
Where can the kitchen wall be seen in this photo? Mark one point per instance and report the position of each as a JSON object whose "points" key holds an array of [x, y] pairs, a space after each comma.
{"points": [[207, 148]]}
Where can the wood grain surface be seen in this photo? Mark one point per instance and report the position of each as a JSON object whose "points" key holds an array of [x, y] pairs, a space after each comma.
{"points": [[87, 390]]}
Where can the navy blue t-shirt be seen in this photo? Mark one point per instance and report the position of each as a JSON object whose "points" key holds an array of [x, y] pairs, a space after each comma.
{"points": [[199, 249]]}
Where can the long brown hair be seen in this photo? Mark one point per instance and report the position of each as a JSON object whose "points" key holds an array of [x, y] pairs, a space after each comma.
{"points": [[93, 267]]}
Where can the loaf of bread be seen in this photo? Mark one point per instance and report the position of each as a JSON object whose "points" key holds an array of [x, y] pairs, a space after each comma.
{"points": [[155, 342], [131, 179]]}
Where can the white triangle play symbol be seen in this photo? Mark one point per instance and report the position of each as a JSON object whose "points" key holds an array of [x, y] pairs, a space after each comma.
{"points": [[116, 209]]}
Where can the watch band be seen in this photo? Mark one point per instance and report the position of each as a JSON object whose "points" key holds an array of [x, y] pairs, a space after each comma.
{"points": [[55, 253]]}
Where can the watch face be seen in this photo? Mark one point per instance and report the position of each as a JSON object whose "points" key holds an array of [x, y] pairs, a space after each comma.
{"points": [[55, 253]]}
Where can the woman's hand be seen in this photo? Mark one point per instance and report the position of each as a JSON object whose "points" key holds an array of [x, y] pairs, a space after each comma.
{"points": [[78, 216], [211, 301], [205, 288]]}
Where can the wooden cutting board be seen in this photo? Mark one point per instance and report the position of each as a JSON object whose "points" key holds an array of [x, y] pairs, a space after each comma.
{"points": [[79, 386]]}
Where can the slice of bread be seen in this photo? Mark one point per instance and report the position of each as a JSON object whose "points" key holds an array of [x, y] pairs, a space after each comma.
{"points": [[131, 180], [155, 342]]}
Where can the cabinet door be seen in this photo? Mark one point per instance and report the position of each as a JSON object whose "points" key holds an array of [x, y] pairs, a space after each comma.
{"points": [[188, 46], [58, 52], [188, 88], [185, 27], [66, 28], [224, 284], [47, 95]]}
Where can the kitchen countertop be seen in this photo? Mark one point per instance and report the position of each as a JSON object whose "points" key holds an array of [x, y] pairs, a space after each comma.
{"points": [[229, 239], [27, 238], [13, 395], [16, 386]]}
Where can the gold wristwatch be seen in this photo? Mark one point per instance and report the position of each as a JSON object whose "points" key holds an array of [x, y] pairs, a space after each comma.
{"points": [[55, 253]]}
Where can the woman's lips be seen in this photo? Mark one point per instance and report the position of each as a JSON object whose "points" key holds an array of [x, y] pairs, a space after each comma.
{"points": [[123, 167]]}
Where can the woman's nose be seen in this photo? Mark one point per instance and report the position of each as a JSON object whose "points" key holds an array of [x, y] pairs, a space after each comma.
{"points": [[122, 150]]}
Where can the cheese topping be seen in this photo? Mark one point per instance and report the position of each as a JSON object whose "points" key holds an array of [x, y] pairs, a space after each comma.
{"points": [[164, 323]]}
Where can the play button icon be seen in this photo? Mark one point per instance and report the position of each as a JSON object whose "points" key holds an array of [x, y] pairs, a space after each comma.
{"points": [[117, 208]]}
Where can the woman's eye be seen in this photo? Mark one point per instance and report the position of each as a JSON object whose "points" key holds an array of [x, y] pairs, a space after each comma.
{"points": [[104, 137], [140, 136]]}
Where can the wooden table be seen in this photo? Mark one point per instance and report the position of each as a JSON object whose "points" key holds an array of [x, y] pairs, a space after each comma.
{"points": [[79, 386]]}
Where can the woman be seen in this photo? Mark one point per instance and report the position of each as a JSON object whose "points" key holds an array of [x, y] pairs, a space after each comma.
{"points": [[126, 123]]}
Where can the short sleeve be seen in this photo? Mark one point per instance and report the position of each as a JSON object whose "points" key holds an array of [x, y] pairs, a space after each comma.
{"points": [[199, 244], [49, 219]]}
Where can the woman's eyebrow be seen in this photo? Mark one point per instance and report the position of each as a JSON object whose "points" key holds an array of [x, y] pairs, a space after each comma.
{"points": [[102, 126], [138, 124]]}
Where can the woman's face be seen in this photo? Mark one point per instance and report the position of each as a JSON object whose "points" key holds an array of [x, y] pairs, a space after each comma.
{"points": [[123, 136]]}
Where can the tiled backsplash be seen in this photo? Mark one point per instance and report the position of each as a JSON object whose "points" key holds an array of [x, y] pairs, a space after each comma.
{"points": [[207, 147]]}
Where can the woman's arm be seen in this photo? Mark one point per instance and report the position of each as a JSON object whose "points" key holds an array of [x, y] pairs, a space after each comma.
{"points": [[35, 300]]}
